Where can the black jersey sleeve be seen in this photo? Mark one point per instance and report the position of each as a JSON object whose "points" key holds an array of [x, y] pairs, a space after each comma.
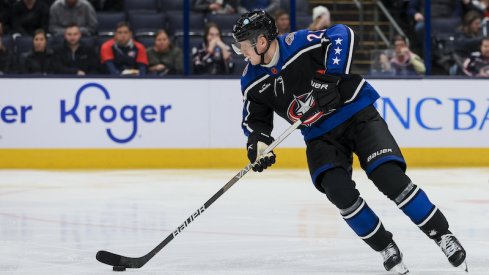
{"points": [[257, 117]]}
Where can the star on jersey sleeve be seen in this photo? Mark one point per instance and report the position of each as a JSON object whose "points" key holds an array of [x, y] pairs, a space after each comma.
{"points": [[340, 49]]}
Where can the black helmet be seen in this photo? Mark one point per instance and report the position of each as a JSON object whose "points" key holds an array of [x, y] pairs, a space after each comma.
{"points": [[251, 24]]}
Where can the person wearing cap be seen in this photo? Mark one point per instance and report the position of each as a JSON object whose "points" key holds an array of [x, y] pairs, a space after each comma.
{"points": [[321, 18]]}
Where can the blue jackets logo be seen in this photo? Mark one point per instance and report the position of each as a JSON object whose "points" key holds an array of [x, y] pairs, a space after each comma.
{"points": [[108, 114]]}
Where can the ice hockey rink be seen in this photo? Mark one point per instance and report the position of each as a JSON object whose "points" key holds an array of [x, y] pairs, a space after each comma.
{"points": [[54, 222]]}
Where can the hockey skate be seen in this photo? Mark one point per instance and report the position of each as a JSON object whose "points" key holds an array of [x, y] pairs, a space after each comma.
{"points": [[453, 250], [393, 259]]}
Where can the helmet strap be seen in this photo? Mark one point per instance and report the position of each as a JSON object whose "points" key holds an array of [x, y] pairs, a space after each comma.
{"points": [[262, 55]]}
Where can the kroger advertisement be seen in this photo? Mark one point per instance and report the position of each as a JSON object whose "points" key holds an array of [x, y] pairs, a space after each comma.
{"points": [[177, 113]]}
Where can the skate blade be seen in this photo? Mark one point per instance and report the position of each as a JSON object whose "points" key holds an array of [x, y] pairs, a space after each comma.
{"points": [[463, 266], [400, 268]]}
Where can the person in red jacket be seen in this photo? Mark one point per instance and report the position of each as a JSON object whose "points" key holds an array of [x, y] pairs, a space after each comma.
{"points": [[122, 55]]}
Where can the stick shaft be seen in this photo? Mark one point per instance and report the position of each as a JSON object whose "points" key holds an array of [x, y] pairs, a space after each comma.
{"points": [[221, 191], [114, 259]]}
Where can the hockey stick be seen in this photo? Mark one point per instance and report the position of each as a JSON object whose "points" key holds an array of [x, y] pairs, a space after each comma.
{"points": [[120, 263]]}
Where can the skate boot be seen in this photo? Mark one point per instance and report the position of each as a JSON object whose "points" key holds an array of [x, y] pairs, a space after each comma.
{"points": [[393, 259], [453, 250]]}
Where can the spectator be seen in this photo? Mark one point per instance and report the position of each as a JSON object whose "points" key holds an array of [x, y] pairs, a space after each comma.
{"points": [[163, 57], [216, 6], [65, 12], [478, 63], [40, 59], [5, 6], [282, 20], [416, 18], [29, 15], [212, 56], [405, 62], [249, 5], [381, 65], [107, 5], [73, 57], [468, 38], [122, 55], [321, 18], [6, 56]]}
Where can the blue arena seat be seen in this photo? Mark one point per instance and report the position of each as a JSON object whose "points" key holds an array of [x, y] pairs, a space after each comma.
{"points": [[147, 41], [171, 5], [301, 6], [107, 22], [8, 42], [445, 25], [131, 5], [146, 23], [195, 40], [101, 40], [175, 23], [302, 21], [224, 21], [23, 44]]}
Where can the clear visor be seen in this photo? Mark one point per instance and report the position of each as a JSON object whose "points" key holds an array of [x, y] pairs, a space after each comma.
{"points": [[242, 46]]}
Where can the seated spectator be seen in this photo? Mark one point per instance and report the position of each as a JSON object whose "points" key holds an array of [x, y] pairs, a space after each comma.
{"points": [[381, 65], [282, 20], [122, 55], [249, 5], [216, 6], [477, 64], [5, 6], [29, 15], [416, 18], [212, 56], [405, 62], [64, 12], [40, 59], [468, 38], [6, 56], [163, 57], [321, 18], [107, 5], [73, 57]]}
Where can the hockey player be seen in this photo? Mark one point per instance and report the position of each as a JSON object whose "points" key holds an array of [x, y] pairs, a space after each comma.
{"points": [[311, 69]]}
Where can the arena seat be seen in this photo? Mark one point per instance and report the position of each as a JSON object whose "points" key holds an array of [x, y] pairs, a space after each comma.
{"points": [[131, 5], [175, 23], [171, 5], [107, 22], [224, 21], [146, 23], [301, 6]]}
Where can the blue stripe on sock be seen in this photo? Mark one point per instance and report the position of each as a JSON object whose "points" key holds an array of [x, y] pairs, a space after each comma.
{"points": [[364, 222], [418, 208]]}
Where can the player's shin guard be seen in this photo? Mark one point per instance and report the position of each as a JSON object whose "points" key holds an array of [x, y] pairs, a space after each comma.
{"points": [[366, 225], [414, 202]]}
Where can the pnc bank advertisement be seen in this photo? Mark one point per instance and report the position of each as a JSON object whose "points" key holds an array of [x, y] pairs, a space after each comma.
{"points": [[177, 113]]}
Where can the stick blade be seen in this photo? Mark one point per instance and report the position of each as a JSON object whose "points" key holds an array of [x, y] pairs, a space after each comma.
{"points": [[109, 258], [113, 259]]}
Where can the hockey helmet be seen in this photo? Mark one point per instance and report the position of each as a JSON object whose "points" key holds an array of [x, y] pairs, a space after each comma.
{"points": [[252, 24]]}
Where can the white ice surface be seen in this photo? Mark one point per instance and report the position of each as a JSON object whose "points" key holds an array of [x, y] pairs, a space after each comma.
{"points": [[54, 222]]}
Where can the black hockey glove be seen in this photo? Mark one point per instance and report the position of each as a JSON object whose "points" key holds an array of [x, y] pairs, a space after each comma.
{"points": [[257, 143], [325, 92]]}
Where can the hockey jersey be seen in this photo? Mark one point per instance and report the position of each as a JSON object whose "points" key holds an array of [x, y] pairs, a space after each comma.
{"points": [[286, 87]]}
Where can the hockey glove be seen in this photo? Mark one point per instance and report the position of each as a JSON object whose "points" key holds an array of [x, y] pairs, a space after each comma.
{"points": [[257, 143], [325, 92]]}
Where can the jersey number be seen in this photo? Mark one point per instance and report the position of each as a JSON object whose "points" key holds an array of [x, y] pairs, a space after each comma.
{"points": [[312, 36]]}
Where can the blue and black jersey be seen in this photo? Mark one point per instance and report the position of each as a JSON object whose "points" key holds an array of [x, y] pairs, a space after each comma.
{"points": [[285, 88]]}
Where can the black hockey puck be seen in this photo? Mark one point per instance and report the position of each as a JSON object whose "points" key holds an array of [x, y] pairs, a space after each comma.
{"points": [[119, 268]]}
